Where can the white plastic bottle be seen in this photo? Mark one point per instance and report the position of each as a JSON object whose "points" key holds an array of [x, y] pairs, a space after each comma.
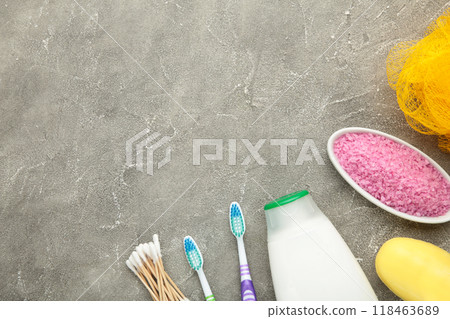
{"points": [[309, 260]]}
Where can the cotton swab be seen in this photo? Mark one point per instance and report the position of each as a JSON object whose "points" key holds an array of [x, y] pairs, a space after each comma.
{"points": [[154, 257], [172, 289], [136, 260], [146, 263], [143, 256], [133, 269], [150, 249], [146, 268], [158, 250]]}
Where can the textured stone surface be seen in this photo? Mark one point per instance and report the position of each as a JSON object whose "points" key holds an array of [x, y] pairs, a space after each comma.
{"points": [[76, 83]]}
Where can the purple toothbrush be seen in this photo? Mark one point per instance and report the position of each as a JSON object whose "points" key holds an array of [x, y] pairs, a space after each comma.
{"points": [[237, 225]]}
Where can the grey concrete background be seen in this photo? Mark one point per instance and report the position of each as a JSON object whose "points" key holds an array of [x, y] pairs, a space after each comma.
{"points": [[79, 79]]}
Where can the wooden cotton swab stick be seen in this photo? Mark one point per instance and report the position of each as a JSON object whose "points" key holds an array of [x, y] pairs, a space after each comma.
{"points": [[133, 269], [154, 257], [137, 263], [167, 278], [141, 267], [146, 263], [160, 263], [148, 251], [175, 287]]}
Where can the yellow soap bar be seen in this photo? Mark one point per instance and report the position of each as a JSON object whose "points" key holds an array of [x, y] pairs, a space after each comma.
{"points": [[414, 270]]}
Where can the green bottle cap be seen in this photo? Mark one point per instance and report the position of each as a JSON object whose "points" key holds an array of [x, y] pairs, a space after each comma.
{"points": [[286, 199]]}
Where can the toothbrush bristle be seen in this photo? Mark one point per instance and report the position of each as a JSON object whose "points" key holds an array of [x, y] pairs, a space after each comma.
{"points": [[236, 220], [193, 254]]}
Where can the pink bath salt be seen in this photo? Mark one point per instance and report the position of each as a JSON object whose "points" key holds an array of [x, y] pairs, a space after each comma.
{"points": [[395, 174]]}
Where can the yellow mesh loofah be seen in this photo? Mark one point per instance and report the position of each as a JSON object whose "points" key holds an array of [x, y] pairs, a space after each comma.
{"points": [[420, 73]]}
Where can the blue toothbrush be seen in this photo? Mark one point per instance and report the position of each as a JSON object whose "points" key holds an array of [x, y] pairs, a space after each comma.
{"points": [[195, 260], [237, 225]]}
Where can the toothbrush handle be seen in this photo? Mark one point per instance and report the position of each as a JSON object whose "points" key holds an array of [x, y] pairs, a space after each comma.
{"points": [[206, 289], [247, 289]]}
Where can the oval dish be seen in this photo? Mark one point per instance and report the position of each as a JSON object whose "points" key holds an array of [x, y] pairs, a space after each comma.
{"points": [[427, 220]]}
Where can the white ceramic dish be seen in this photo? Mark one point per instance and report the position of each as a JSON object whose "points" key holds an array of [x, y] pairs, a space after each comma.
{"points": [[427, 220]]}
